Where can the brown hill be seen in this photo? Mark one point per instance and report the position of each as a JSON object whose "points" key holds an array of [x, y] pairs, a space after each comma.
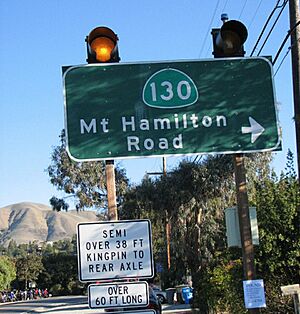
{"points": [[25, 222]]}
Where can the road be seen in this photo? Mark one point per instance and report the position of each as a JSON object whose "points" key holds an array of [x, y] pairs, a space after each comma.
{"points": [[67, 305]]}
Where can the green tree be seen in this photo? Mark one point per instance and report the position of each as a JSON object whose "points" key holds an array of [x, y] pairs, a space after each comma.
{"points": [[278, 254], [224, 290], [190, 198], [7, 272], [29, 268], [193, 197], [12, 249], [60, 274], [83, 181], [23, 249]]}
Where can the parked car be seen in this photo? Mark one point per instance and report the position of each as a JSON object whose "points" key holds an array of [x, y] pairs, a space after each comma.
{"points": [[154, 303], [160, 294]]}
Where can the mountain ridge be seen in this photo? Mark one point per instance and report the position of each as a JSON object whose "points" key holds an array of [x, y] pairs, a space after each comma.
{"points": [[27, 222]]}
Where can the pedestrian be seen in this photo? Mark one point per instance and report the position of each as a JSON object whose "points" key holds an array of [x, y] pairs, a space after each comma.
{"points": [[31, 294], [45, 293], [12, 295]]}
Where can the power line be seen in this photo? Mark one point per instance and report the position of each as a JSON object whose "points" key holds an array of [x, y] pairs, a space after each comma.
{"points": [[210, 45], [282, 45], [224, 6], [255, 13], [209, 27], [284, 41], [243, 8], [271, 30], [280, 64], [265, 26], [197, 158]]}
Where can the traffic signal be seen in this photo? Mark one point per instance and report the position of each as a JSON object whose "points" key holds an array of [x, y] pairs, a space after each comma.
{"points": [[229, 39], [102, 46]]}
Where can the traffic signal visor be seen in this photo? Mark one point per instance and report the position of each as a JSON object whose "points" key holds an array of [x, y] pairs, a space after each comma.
{"points": [[228, 41], [102, 46], [233, 35]]}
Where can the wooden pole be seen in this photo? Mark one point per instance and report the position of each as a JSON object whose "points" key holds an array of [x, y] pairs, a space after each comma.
{"points": [[295, 53], [167, 222], [244, 220], [168, 225], [111, 190]]}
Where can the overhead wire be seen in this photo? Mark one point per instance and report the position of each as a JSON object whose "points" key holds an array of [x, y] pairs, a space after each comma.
{"points": [[282, 45], [284, 41], [209, 27], [286, 54], [224, 6], [243, 8], [273, 26], [277, 6], [210, 45], [208, 31], [197, 158], [254, 15], [280, 64], [208, 49]]}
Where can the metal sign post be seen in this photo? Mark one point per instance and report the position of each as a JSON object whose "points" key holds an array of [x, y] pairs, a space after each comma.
{"points": [[293, 290]]}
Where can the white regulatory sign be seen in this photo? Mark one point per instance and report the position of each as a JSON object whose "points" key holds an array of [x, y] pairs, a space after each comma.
{"points": [[114, 249], [120, 294]]}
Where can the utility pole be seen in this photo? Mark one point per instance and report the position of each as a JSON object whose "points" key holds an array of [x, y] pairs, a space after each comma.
{"points": [[111, 190], [295, 52], [227, 43], [244, 217], [244, 220], [167, 224]]}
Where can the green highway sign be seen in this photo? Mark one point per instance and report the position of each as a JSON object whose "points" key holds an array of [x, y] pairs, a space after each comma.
{"points": [[170, 108]]}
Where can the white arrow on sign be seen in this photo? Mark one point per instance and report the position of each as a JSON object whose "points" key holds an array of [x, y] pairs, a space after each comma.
{"points": [[255, 128]]}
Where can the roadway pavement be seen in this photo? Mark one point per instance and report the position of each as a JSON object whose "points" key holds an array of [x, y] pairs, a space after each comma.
{"points": [[71, 304]]}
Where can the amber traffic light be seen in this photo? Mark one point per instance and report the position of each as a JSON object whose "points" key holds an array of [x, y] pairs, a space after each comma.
{"points": [[102, 46]]}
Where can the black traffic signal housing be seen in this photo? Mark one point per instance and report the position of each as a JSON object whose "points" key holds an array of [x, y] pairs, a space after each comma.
{"points": [[102, 46], [228, 41]]}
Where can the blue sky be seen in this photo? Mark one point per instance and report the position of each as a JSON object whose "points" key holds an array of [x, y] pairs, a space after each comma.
{"points": [[39, 37]]}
